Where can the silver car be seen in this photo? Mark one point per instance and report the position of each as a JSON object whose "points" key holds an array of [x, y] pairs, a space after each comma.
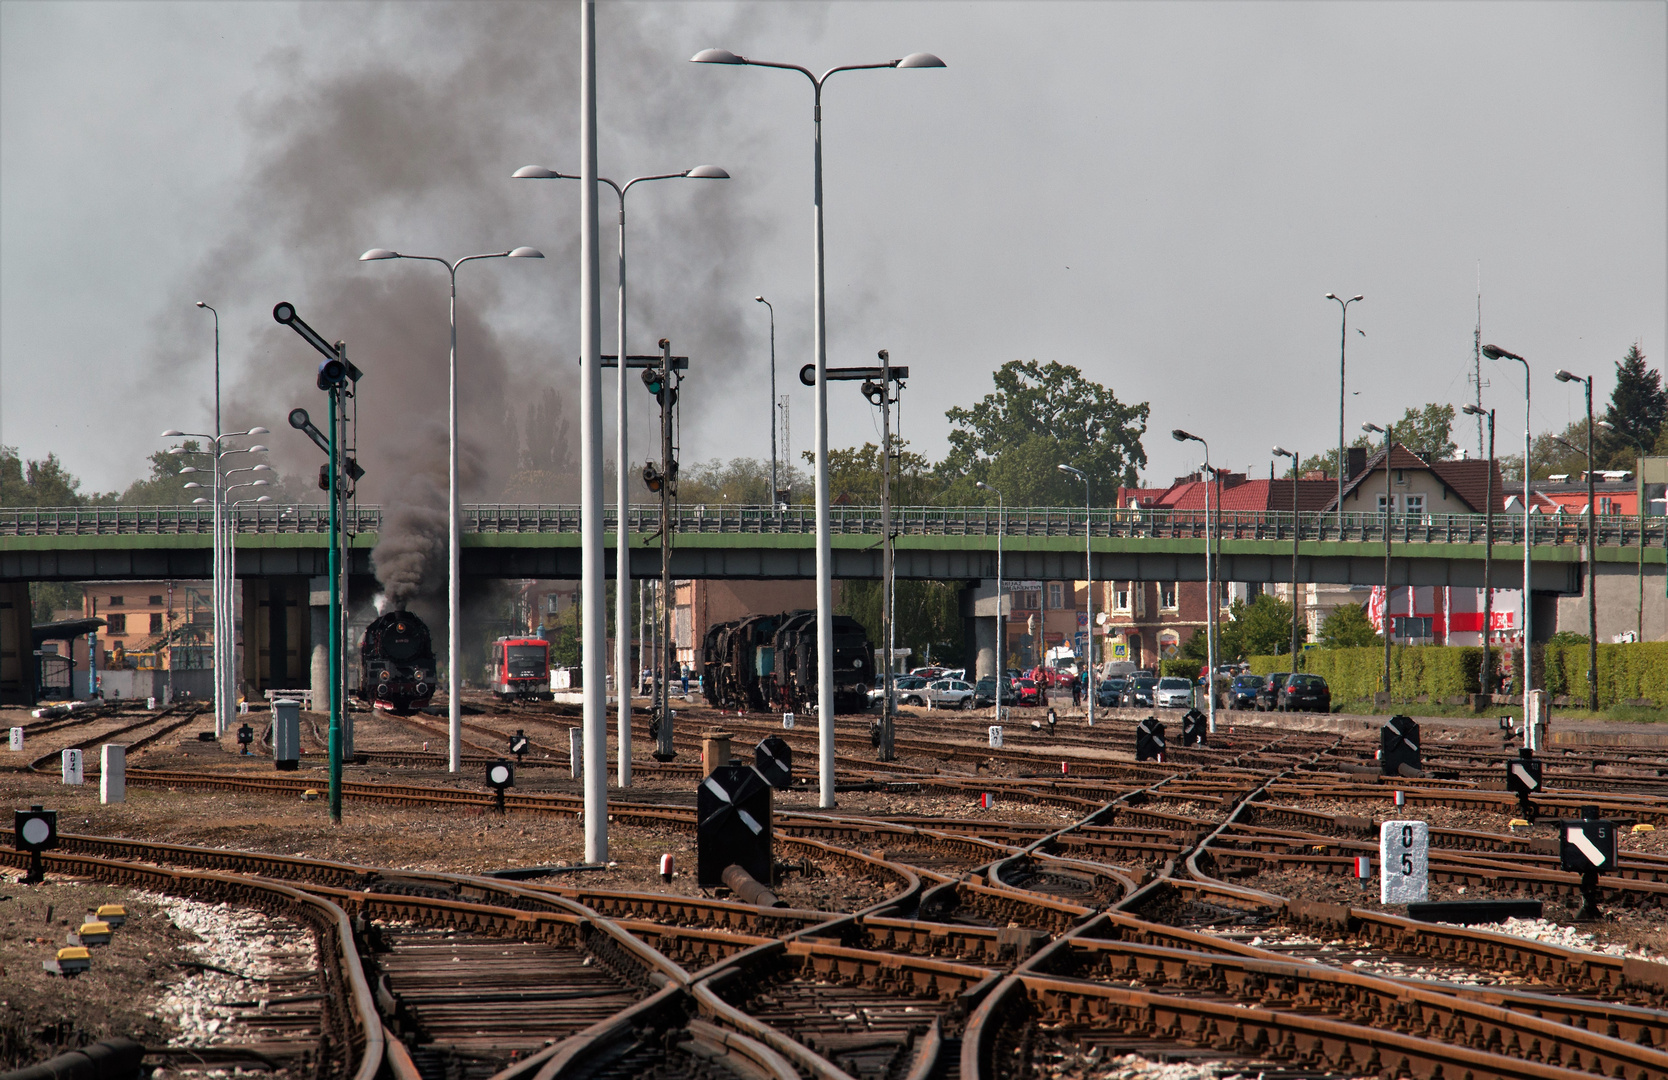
{"points": [[1173, 692], [950, 694]]}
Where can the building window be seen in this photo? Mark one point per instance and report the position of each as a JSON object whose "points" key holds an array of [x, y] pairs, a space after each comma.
{"points": [[1121, 597], [1167, 596], [156, 623], [115, 601], [1414, 505], [1056, 595], [156, 601], [115, 624]]}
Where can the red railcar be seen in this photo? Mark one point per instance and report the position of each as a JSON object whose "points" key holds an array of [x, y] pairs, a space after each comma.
{"points": [[521, 668]]}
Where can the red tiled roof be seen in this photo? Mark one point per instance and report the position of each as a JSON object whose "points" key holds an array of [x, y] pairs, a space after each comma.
{"points": [[1466, 478]]}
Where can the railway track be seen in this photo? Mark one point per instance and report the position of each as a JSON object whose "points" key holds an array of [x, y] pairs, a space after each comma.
{"points": [[1154, 923]]}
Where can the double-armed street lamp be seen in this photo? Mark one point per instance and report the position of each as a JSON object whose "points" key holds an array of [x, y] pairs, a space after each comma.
{"points": [[1343, 340], [1526, 678], [1592, 544], [1210, 587], [622, 475], [1639, 513], [1488, 543], [1282, 452], [819, 338], [454, 740], [1089, 575], [1001, 616], [220, 591]]}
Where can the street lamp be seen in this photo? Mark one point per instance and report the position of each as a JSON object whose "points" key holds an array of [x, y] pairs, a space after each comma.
{"points": [[454, 635], [1281, 452], [1592, 545], [774, 499], [1089, 571], [1526, 679], [1388, 431], [1343, 339], [1639, 511], [622, 475], [1210, 588], [219, 590], [1488, 544], [819, 338], [1001, 617]]}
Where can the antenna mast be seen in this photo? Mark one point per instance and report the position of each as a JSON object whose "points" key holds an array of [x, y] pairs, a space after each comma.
{"points": [[1477, 359]]}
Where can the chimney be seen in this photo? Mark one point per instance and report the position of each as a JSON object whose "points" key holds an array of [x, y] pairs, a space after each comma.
{"points": [[1355, 463]]}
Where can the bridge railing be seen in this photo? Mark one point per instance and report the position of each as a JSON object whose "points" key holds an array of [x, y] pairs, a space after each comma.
{"points": [[1613, 530]]}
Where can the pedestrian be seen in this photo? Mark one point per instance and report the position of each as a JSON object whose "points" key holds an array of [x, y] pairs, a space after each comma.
{"points": [[685, 673], [1076, 692]]}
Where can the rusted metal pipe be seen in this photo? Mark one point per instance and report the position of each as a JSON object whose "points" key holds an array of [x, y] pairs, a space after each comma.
{"points": [[745, 886]]}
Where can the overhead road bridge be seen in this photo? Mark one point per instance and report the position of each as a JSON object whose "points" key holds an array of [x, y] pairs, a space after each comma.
{"points": [[934, 543]]}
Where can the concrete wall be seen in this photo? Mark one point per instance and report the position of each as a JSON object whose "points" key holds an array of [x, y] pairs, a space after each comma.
{"points": [[1618, 604]]}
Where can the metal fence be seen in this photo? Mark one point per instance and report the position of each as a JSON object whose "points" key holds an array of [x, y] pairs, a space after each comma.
{"points": [[1614, 530]]}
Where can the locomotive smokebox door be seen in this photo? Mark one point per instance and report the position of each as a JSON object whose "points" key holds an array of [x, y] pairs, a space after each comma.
{"points": [[773, 758], [1398, 745], [732, 806]]}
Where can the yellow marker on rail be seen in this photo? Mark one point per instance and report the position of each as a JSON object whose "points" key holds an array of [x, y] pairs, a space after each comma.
{"points": [[94, 933], [114, 914]]}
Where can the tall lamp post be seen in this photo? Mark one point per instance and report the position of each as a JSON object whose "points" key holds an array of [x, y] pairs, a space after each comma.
{"points": [[819, 338], [1639, 512], [1526, 678], [774, 498], [1488, 544], [219, 593], [1210, 588], [1343, 340], [1388, 431], [1089, 573], [454, 510], [622, 456], [1281, 452], [1001, 617], [1592, 545]]}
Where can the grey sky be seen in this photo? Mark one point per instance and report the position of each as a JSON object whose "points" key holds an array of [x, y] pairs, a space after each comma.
{"points": [[1157, 193]]}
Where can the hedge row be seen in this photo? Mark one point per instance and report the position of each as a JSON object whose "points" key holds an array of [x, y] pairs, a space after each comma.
{"points": [[1626, 673]]}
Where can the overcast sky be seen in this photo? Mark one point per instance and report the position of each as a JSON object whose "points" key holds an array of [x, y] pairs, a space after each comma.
{"points": [[1159, 194]]}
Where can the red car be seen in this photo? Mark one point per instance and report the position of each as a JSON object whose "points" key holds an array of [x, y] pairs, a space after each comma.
{"points": [[1027, 693]]}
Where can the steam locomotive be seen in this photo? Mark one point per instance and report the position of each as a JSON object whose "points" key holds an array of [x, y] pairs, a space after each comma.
{"points": [[770, 662], [396, 663]]}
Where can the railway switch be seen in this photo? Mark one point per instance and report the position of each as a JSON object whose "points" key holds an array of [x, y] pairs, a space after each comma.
{"points": [[1587, 846], [1195, 728], [773, 758], [518, 743], [35, 830], [1398, 747], [732, 811], [1523, 779], [1149, 740]]}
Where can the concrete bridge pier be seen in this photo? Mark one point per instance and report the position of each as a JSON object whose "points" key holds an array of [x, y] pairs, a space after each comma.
{"points": [[17, 645]]}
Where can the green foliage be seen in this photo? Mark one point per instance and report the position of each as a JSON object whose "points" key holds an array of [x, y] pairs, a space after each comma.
{"points": [[1181, 667], [1041, 416], [46, 597], [1426, 431], [1566, 452], [1628, 672], [37, 483], [854, 476], [165, 486], [1263, 626], [929, 614], [1638, 405], [1348, 627], [1357, 674]]}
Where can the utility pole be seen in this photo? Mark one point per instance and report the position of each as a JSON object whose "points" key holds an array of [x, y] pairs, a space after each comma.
{"points": [[662, 381]]}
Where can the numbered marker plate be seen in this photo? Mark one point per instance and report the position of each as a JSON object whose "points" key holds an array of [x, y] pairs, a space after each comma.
{"points": [[787, 721], [996, 736], [1404, 853]]}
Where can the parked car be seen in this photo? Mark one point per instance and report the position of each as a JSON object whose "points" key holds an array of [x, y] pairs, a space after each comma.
{"points": [[1243, 693], [984, 692], [928, 672], [1306, 692], [910, 689], [1110, 692], [1173, 692], [950, 694], [1027, 692], [1139, 690], [1268, 698]]}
